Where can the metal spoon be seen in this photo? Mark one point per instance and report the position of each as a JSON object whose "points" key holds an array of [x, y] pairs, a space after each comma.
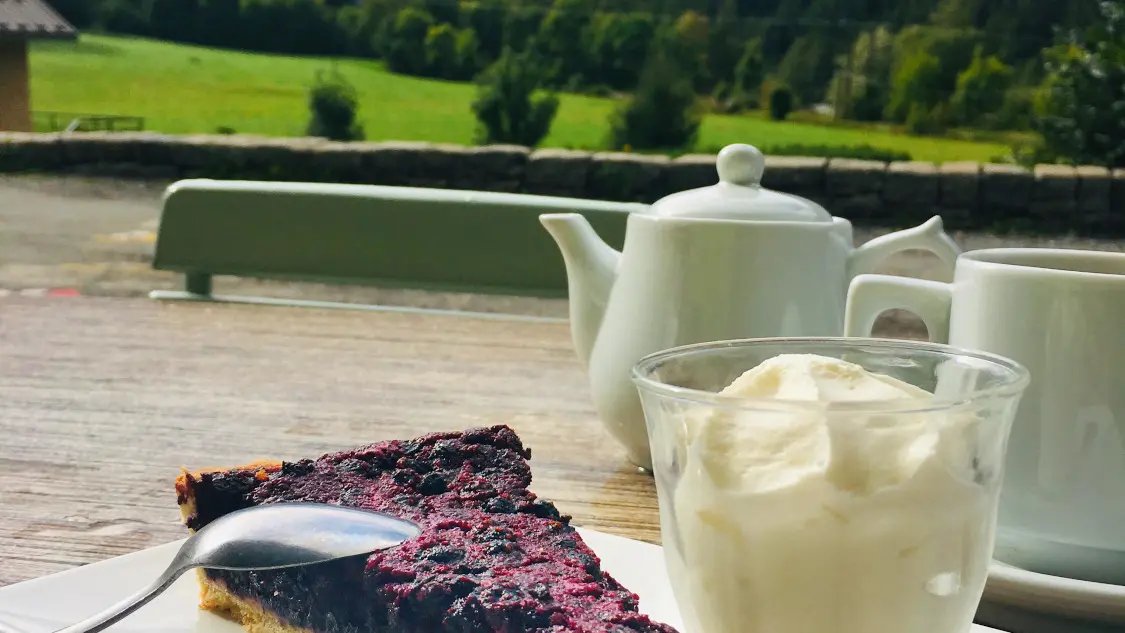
{"points": [[267, 537]]}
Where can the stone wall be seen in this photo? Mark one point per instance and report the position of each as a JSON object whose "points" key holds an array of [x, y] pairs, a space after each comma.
{"points": [[1049, 199]]}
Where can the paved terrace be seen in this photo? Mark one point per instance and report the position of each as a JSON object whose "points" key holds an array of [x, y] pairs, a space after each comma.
{"points": [[95, 237]]}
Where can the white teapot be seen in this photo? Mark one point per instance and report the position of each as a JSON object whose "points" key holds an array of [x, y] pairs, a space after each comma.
{"points": [[732, 260]]}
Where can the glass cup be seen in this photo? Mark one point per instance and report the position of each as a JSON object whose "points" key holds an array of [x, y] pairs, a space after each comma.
{"points": [[800, 516]]}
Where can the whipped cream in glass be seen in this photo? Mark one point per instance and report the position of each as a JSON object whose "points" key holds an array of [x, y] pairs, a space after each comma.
{"points": [[818, 491]]}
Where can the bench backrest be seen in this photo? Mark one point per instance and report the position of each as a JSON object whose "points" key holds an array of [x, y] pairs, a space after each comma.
{"points": [[436, 239]]}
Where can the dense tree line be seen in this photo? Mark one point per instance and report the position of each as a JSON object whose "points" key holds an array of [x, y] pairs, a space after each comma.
{"points": [[925, 64], [604, 43]]}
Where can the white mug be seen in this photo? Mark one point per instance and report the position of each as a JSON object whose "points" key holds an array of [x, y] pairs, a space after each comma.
{"points": [[1061, 314]]}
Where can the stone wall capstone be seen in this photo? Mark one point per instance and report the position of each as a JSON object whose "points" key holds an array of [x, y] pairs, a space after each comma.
{"points": [[1050, 199]]}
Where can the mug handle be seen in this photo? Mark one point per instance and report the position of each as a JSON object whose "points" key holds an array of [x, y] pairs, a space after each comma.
{"points": [[871, 295]]}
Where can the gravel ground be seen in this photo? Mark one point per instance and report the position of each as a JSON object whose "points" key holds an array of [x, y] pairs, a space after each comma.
{"points": [[96, 235]]}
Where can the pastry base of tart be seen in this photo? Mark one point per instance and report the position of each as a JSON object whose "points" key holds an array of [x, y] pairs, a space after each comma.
{"points": [[254, 617], [215, 597]]}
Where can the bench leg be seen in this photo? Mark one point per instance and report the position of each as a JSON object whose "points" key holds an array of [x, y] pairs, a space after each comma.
{"points": [[198, 283]]}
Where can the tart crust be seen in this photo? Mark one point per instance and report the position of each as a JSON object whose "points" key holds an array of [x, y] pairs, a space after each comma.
{"points": [[213, 596]]}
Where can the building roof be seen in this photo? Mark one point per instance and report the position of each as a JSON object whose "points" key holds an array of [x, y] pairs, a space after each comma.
{"points": [[32, 19]]}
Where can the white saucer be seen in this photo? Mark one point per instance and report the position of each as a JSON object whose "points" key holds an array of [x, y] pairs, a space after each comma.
{"points": [[1019, 600], [46, 604]]}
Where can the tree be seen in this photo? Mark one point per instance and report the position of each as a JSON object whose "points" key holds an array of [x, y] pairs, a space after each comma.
{"points": [[174, 19], [507, 106], [468, 53], [981, 89], [688, 47], [916, 88], [332, 109], [725, 46], [926, 63], [617, 47], [750, 71], [486, 19], [1081, 109], [860, 87], [80, 13], [361, 24], [560, 41], [521, 23], [124, 16], [663, 113], [441, 52], [304, 27], [220, 22], [807, 67], [406, 45]]}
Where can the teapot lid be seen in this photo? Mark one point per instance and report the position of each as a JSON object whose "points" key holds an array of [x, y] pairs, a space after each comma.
{"points": [[739, 194]]}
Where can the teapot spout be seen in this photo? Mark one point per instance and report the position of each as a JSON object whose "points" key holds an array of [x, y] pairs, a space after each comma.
{"points": [[928, 236], [591, 269]]}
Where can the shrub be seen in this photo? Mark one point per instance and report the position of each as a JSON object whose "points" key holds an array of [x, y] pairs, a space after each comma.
{"points": [[781, 103], [507, 108], [332, 109]]}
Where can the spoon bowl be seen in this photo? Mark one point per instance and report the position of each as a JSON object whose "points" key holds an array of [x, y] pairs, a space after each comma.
{"points": [[292, 534], [271, 536]]}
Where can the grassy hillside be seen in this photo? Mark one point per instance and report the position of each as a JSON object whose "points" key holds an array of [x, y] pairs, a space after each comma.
{"points": [[188, 89]]}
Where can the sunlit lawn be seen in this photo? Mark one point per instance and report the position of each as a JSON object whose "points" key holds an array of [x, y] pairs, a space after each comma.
{"points": [[188, 89]]}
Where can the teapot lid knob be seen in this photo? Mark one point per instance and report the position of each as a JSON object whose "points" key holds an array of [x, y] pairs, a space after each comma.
{"points": [[741, 164]]}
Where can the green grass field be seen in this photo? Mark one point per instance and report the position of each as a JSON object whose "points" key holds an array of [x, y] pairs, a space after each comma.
{"points": [[188, 89]]}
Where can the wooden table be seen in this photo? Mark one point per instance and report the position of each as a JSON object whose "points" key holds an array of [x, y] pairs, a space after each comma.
{"points": [[103, 400]]}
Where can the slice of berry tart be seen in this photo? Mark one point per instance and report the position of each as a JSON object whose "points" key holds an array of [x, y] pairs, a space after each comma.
{"points": [[491, 557]]}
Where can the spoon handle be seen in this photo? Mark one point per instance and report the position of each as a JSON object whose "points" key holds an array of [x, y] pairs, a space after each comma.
{"points": [[109, 617]]}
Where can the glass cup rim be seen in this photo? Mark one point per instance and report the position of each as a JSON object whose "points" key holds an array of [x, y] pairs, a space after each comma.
{"points": [[1019, 377]]}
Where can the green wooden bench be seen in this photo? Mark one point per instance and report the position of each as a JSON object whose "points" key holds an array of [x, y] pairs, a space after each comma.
{"points": [[430, 239]]}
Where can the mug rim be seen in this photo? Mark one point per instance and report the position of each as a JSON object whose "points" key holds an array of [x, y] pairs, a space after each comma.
{"points": [[981, 257], [1018, 380]]}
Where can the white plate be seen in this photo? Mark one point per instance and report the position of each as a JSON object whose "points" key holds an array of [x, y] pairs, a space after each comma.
{"points": [[1020, 600], [51, 602]]}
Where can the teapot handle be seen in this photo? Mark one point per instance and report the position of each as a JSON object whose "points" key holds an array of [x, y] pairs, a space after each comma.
{"points": [[929, 236]]}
